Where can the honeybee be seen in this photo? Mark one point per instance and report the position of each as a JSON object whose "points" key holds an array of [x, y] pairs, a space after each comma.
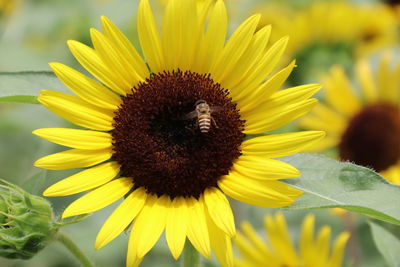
{"points": [[203, 113]]}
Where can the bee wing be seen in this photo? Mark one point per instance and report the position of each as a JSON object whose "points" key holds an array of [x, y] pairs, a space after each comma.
{"points": [[189, 116], [214, 109]]}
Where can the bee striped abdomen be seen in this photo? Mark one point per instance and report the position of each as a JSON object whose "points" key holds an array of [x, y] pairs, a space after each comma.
{"points": [[204, 122]]}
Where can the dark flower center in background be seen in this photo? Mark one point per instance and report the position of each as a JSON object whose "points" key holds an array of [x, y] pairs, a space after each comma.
{"points": [[392, 2], [372, 138], [166, 153]]}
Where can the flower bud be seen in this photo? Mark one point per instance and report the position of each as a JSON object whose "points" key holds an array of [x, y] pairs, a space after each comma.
{"points": [[25, 222]]}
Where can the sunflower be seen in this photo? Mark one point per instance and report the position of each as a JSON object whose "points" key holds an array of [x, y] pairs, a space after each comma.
{"points": [[325, 33], [364, 127], [280, 250], [141, 145]]}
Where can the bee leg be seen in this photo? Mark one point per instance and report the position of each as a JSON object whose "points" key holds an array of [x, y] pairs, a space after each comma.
{"points": [[215, 123]]}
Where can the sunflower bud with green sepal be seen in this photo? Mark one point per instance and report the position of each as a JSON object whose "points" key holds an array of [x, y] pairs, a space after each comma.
{"points": [[25, 222]]}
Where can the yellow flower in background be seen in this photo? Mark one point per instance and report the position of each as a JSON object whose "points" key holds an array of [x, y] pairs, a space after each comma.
{"points": [[340, 25], [142, 145], [313, 251], [7, 7], [367, 27], [364, 126]]}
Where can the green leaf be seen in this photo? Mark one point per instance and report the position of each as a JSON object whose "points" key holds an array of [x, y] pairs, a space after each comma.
{"points": [[24, 87], [327, 183], [387, 244]]}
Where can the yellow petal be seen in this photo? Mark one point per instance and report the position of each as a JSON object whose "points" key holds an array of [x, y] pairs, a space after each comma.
{"points": [[124, 47], [366, 79], [197, 231], [180, 34], [248, 61], [91, 61], [149, 37], [322, 243], [84, 180], [254, 238], [264, 169], [73, 158], [213, 41], [387, 79], [280, 145], [338, 249], [339, 92], [116, 62], [279, 238], [267, 194], [267, 63], [253, 99], [82, 139], [176, 226], [86, 88], [307, 243], [220, 243], [234, 48], [99, 198], [219, 210], [77, 111], [311, 122], [149, 224], [121, 217]]}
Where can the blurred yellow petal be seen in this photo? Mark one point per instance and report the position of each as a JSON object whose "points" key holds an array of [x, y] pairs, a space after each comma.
{"points": [[365, 77], [339, 249], [339, 92]]}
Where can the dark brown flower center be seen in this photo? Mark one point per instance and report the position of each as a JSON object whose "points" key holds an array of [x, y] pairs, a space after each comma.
{"points": [[162, 148], [392, 2], [372, 137]]}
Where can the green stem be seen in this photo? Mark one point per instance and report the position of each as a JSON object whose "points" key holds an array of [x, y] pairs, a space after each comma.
{"points": [[191, 257], [73, 248]]}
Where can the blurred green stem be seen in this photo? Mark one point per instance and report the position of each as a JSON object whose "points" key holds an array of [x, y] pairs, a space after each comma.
{"points": [[191, 257], [73, 248]]}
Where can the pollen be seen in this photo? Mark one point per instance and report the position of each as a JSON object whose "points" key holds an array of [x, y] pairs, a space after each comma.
{"points": [[163, 151]]}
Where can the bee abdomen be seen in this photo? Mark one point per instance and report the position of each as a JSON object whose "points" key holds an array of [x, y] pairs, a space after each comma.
{"points": [[204, 123]]}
